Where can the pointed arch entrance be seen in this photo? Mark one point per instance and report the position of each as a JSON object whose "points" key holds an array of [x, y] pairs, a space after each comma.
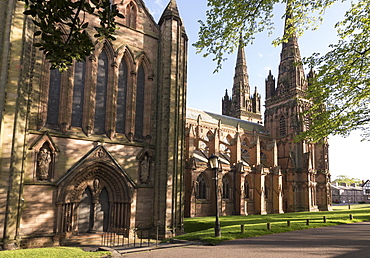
{"points": [[95, 197]]}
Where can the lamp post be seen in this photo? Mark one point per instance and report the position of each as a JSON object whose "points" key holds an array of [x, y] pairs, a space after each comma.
{"points": [[214, 164]]}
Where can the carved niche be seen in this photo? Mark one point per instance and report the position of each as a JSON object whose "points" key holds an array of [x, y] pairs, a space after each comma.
{"points": [[44, 158]]}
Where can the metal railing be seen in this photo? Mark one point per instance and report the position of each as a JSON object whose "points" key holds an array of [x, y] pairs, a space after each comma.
{"points": [[130, 237]]}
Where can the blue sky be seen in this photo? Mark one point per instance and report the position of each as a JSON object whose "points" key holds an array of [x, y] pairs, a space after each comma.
{"points": [[206, 89]]}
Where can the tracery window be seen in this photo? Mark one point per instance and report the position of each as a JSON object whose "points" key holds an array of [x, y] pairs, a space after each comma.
{"points": [[101, 93], [140, 93], [201, 187], [282, 126], [131, 15], [54, 97], [78, 94], [121, 97], [226, 187]]}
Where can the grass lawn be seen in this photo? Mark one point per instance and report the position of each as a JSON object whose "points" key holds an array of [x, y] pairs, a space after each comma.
{"points": [[202, 228], [74, 252]]}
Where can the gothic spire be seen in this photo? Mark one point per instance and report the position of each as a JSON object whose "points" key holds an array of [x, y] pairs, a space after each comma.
{"points": [[291, 73], [171, 11]]}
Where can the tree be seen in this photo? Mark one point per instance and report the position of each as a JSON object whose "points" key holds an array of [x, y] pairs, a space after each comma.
{"points": [[345, 179], [341, 87], [62, 27]]}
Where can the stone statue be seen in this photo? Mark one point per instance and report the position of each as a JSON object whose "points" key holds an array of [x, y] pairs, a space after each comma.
{"points": [[43, 164], [144, 170]]}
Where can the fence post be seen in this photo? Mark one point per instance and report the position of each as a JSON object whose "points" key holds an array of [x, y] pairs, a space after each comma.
{"points": [[288, 223], [350, 216], [307, 222], [268, 226], [324, 218], [242, 228]]}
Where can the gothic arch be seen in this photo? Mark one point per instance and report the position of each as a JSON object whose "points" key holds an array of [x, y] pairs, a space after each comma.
{"points": [[143, 66], [131, 14], [94, 176]]}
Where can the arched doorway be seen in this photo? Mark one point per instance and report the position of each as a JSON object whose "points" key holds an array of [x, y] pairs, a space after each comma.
{"points": [[94, 198]]}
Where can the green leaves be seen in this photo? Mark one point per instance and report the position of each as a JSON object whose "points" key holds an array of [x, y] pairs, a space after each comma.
{"points": [[62, 28], [227, 20], [343, 80], [341, 88]]}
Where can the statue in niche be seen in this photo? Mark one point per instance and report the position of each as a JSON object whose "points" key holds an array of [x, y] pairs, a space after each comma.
{"points": [[43, 164], [144, 169]]}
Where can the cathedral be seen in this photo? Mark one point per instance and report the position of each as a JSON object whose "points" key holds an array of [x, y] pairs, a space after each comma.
{"points": [[263, 169], [110, 145]]}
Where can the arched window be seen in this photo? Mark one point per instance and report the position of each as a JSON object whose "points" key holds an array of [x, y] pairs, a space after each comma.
{"points": [[101, 93], [282, 126], [121, 97], [131, 15], [201, 187], [246, 189], [226, 187], [78, 94], [140, 93], [54, 96]]}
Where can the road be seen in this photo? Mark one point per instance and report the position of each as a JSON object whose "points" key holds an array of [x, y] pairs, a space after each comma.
{"points": [[349, 240]]}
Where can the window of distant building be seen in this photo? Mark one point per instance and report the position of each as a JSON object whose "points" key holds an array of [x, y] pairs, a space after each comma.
{"points": [[201, 187], [282, 126], [226, 189], [246, 189]]}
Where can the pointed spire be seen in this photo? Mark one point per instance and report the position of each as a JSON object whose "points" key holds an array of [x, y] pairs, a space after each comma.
{"points": [[171, 12], [291, 73]]}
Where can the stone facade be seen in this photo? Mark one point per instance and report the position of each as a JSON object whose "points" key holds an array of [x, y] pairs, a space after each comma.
{"points": [[109, 144], [94, 148], [264, 170]]}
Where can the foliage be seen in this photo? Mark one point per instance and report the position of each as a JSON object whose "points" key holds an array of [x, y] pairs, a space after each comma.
{"points": [[229, 20], [202, 228], [342, 83], [53, 252], [62, 27], [345, 179]]}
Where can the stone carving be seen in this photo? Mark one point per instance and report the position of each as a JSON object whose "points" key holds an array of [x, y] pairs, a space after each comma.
{"points": [[144, 169], [43, 164]]}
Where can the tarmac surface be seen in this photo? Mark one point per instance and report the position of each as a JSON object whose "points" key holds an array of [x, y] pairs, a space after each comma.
{"points": [[349, 240]]}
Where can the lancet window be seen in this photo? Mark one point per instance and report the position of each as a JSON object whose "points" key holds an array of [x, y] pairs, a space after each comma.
{"points": [[121, 97], [54, 97], [201, 187], [101, 93], [78, 94], [140, 95]]}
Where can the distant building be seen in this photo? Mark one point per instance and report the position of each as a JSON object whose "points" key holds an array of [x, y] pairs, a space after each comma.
{"points": [[344, 193], [366, 189]]}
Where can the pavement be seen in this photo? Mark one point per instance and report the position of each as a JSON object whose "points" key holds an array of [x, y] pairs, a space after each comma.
{"points": [[349, 240]]}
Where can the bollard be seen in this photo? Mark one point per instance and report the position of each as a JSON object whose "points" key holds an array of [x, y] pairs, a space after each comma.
{"points": [[324, 218], [268, 226], [350, 216], [288, 223], [242, 228], [307, 222]]}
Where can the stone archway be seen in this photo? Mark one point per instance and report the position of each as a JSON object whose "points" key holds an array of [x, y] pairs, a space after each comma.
{"points": [[94, 198]]}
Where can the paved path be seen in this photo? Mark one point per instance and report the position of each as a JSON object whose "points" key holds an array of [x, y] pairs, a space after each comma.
{"points": [[350, 240]]}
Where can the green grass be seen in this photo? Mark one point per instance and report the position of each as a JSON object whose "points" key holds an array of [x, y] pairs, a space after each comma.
{"points": [[74, 252], [202, 228]]}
